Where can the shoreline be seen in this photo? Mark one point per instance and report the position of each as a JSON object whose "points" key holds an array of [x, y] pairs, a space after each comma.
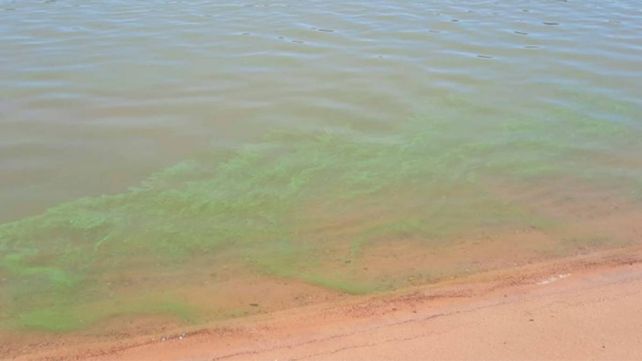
{"points": [[561, 309]]}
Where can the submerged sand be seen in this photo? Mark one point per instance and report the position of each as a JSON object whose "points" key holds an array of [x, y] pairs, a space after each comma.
{"points": [[584, 307]]}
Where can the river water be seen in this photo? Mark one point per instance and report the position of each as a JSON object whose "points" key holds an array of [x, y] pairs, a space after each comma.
{"points": [[184, 158]]}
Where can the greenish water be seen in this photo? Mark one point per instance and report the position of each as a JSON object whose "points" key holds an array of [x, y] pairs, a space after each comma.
{"points": [[272, 206], [305, 147]]}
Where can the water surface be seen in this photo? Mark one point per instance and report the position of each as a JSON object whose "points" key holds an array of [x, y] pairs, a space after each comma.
{"points": [[184, 158]]}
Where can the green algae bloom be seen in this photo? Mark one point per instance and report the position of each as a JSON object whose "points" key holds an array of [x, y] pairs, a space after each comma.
{"points": [[295, 204]]}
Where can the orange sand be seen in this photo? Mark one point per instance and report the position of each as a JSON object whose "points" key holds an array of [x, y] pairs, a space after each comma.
{"points": [[586, 307]]}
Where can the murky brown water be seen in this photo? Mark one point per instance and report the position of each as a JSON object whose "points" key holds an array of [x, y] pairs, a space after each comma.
{"points": [[96, 95], [348, 145]]}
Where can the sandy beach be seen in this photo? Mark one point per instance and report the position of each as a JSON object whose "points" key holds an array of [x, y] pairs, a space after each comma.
{"points": [[584, 307]]}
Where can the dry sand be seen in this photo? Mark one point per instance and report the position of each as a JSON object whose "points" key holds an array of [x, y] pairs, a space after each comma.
{"points": [[586, 307]]}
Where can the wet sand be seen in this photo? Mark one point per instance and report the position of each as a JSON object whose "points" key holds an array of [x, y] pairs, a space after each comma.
{"points": [[584, 307]]}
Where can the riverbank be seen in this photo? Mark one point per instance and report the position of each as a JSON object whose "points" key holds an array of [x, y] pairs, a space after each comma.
{"points": [[583, 307]]}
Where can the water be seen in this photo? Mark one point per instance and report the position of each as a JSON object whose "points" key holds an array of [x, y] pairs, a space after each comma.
{"points": [[195, 161]]}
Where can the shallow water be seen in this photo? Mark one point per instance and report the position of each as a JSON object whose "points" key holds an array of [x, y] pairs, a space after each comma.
{"points": [[184, 158]]}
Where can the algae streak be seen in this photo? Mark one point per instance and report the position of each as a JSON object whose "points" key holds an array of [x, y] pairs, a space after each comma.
{"points": [[295, 204]]}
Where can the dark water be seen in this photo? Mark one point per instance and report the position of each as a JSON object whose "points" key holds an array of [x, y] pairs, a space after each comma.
{"points": [[183, 158]]}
